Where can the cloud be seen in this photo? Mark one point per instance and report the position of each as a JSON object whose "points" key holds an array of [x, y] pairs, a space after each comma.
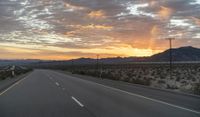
{"points": [[99, 24], [97, 14], [155, 31], [165, 12], [72, 8], [92, 27], [196, 20]]}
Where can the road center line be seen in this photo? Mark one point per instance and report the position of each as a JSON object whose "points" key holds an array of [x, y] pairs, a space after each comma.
{"points": [[16, 83], [79, 103], [141, 96], [57, 84]]}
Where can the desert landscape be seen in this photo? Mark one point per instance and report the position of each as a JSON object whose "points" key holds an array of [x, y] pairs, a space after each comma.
{"points": [[185, 77]]}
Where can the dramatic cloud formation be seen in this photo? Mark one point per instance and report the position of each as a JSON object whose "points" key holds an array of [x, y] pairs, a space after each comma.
{"points": [[65, 29]]}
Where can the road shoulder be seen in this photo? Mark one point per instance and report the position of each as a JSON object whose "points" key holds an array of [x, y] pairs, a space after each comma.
{"points": [[4, 84]]}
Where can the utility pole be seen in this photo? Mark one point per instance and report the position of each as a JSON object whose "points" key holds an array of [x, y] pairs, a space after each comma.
{"points": [[101, 70], [170, 55], [170, 51], [97, 64], [72, 66]]}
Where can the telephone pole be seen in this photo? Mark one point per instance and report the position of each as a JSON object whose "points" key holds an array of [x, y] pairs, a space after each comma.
{"points": [[97, 63], [170, 55], [99, 67], [72, 66]]}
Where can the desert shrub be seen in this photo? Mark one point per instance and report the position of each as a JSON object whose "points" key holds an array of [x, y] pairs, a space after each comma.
{"points": [[196, 88], [178, 79], [171, 86], [142, 81], [109, 76], [161, 82]]}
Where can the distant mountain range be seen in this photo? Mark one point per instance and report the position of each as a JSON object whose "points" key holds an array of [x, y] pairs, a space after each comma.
{"points": [[18, 62], [178, 54]]}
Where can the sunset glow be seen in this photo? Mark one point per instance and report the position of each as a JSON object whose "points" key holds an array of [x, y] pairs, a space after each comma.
{"points": [[67, 29]]}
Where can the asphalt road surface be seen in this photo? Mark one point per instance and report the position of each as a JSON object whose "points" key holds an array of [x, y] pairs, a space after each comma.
{"points": [[45, 93]]}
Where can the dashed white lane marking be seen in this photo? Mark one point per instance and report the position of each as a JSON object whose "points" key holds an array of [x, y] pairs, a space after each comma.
{"points": [[12, 86], [79, 103], [57, 84], [141, 96]]}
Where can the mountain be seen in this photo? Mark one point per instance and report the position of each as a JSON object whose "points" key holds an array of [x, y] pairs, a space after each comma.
{"points": [[187, 53], [18, 62], [178, 54], [106, 60]]}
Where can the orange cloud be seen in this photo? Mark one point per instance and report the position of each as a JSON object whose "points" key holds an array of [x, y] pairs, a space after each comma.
{"points": [[153, 2], [165, 12], [70, 33], [97, 14], [88, 27], [84, 28], [155, 31], [19, 50], [196, 20]]}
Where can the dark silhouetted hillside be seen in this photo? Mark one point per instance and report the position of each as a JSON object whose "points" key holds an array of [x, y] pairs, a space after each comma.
{"points": [[178, 54]]}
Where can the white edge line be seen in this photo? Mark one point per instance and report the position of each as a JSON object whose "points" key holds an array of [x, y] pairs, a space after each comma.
{"points": [[16, 83], [154, 100], [79, 103], [147, 98]]}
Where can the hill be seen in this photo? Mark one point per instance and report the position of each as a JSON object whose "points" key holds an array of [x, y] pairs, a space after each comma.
{"points": [[178, 54]]}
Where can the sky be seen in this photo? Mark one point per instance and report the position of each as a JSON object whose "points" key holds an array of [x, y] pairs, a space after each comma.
{"points": [[67, 29]]}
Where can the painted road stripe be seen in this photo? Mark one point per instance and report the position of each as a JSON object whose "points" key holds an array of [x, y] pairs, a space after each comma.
{"points": [[154, 100], [141, 96], [12, 86], [79, 103], [57, 84]]}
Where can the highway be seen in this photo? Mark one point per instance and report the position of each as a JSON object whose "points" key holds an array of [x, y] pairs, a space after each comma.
{"points": [[47, 93]]}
